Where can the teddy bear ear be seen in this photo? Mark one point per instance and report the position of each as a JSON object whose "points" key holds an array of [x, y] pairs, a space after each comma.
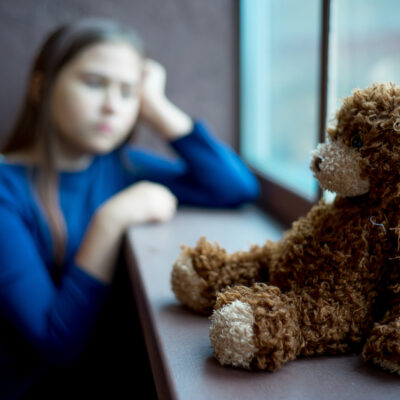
{"points": [[396, 125]]}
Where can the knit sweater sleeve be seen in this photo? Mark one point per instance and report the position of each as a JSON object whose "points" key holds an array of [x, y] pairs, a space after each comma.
{"points": [[206, 173], [55, 319]]}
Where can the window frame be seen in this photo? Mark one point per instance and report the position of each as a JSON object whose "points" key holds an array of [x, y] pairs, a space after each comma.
{"points": [[276, 199]]}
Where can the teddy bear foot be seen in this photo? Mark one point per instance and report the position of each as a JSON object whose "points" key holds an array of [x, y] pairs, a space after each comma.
{"points": [[203, 271], [232, 334], [255, 327], [196, 275], [187, 284]]}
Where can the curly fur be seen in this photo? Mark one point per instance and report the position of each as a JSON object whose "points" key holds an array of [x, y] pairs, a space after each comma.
{"points": [[216, 270], [331, 284], [276, 329]]}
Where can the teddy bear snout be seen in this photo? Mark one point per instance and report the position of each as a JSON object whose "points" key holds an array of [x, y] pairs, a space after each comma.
{"points": [[337, 168]]}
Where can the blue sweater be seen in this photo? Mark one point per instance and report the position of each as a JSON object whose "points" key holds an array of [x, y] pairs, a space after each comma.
{"points": [[43, 321]]}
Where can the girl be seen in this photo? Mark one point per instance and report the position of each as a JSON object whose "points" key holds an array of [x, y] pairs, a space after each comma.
{"points": [[71, 184]]}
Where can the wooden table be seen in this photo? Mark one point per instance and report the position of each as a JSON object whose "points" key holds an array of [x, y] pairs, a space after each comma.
{"points": [[177, 339]]}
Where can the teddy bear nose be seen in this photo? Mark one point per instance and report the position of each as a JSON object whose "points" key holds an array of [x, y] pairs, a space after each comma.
{"points": [[317, 163]]}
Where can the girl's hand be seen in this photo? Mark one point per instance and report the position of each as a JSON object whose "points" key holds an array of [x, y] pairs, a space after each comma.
{"points": [[137, 204], [156, 109], [153, 87]]}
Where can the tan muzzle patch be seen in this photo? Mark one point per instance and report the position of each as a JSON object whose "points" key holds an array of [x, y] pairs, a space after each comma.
{"points": [[337, 168]]}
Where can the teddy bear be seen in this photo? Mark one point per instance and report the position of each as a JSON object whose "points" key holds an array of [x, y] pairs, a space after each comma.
{"points": [[331, 284]]}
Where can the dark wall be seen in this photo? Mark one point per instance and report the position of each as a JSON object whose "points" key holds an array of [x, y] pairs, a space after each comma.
{"points": [[194, 39]]}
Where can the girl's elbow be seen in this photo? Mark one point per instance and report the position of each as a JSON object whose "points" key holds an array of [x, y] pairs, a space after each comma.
{"points": [[238, 193], [246, 191], [252, 190]]}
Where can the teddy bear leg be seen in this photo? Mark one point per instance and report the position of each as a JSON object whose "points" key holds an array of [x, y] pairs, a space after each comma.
{"points": [[264, 328], [331, 323], [383, 346], [200, 272], [255, 327]]}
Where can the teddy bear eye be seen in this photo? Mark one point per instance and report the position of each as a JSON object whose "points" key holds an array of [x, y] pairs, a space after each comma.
{"points": [[356, 142]]}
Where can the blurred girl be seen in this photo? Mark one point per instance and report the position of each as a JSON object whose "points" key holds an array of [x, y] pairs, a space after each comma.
{"points": [[71, 184]]}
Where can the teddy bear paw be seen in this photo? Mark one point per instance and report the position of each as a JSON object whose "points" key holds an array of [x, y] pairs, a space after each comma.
{"points": [[187, 284], [232, 334]]}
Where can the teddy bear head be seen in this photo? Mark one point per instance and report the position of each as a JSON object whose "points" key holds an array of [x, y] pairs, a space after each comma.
{"points": [[362, 153]]}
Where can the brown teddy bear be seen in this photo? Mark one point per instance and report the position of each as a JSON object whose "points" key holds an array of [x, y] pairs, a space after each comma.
{"points": [[331, 284]]}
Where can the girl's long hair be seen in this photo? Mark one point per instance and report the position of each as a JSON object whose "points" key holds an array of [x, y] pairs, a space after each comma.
{"points": [[35, 118]]}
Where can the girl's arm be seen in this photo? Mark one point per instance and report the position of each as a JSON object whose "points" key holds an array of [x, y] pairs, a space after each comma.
{"points": [[208, 172], [169, 121], [139, 203], [55, 319]]}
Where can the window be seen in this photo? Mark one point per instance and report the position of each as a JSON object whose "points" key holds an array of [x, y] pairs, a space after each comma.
{"points": [[280, 86], [364, 46], [298, 59]]}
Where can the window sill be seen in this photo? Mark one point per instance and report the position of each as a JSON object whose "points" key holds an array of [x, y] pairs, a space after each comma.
{"points": [[177, 339]]}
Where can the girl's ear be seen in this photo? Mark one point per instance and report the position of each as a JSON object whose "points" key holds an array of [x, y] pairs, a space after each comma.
{"points": [[35, 88]]}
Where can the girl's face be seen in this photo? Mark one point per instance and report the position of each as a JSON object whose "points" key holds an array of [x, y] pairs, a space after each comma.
{"points": [[95, 99]]}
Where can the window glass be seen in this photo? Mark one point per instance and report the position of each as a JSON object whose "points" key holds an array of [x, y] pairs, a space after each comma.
{"points": [[364, 46], [279, 78]]}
